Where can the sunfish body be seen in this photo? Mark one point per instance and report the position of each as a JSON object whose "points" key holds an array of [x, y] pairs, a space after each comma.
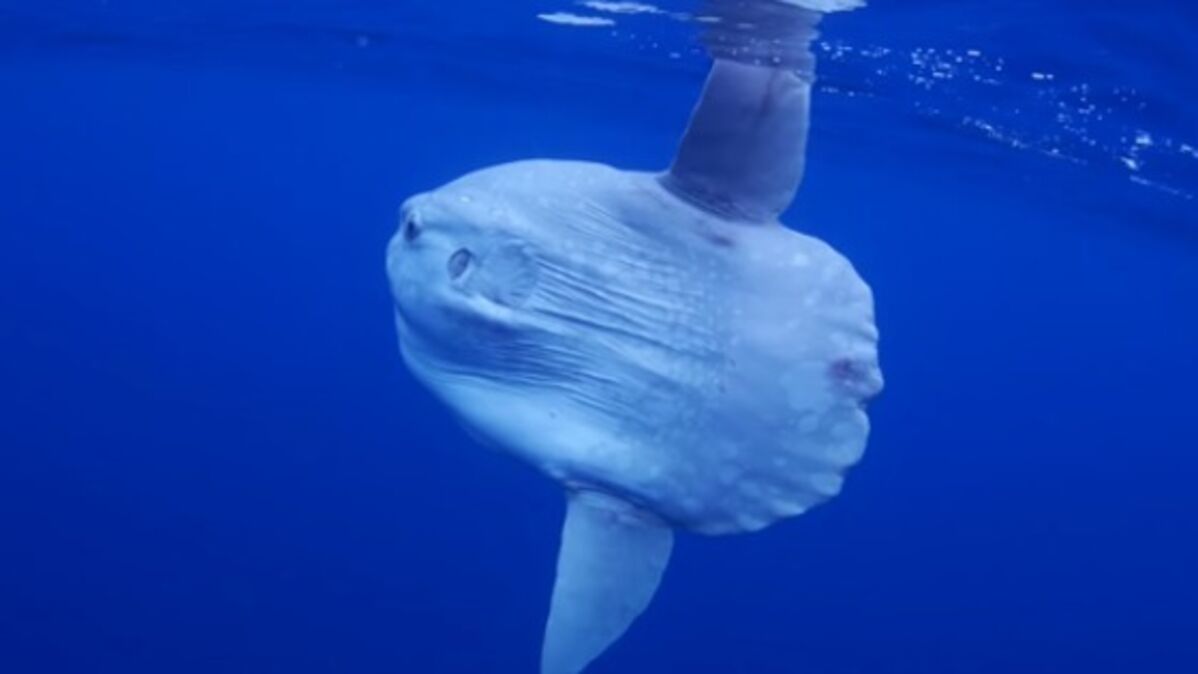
{"points": [[657, 343]]}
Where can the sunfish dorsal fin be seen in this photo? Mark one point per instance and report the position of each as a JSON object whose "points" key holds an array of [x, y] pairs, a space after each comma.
{"points": [[611, 560], [743, 154]]}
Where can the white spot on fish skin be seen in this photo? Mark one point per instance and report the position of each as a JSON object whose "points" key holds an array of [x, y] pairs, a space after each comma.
{"points": [[789, 508], [827, 484], [751, 522], [846, 452]]}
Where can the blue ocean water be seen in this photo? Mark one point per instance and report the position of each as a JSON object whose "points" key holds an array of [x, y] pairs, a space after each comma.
{"points": [[213, 460]]}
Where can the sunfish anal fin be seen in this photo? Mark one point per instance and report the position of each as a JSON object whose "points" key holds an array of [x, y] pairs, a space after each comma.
{"points": [[611, 560]]}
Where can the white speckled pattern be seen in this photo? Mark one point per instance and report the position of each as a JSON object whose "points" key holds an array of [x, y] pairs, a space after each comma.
{"points": [[707, 371]]}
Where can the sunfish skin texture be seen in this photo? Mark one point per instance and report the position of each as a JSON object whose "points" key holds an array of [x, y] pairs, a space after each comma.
{"points": [[710, 372]]}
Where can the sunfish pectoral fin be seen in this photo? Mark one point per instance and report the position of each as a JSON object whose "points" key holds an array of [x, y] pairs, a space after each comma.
{"points": [[743, 153], [611, 560]]}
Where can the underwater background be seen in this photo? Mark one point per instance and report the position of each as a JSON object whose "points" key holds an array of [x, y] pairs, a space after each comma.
{"points": [[212, 459]]}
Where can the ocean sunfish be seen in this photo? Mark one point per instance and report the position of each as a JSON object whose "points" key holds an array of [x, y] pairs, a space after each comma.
{"points": [[657, 343]]}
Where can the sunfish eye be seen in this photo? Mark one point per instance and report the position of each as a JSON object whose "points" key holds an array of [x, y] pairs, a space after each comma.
{"points": [[459, 263], [411, 230]]}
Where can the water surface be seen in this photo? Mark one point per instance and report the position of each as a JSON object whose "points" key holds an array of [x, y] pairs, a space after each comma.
{"points": [[214, 461]]}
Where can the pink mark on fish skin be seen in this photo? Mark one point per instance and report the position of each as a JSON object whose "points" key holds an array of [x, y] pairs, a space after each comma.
{"points": [[844, 370], [855, 376]]}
